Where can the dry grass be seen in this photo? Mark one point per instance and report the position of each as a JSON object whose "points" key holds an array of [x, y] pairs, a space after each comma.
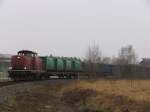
{"points": [[84, 96], [115, 96], [138, 90]]}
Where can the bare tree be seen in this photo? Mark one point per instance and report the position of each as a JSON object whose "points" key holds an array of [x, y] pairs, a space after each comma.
{"points": [[93, 57], [107, 60], [115, 60], [93, 54]]}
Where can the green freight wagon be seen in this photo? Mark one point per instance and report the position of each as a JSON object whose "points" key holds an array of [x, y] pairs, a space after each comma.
{"points": [[67, 65], [76, 65], [49, 63], [59, 64], [61, 67]]}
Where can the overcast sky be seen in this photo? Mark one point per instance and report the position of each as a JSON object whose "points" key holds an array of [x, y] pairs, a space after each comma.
{"points": [[67, 27]]}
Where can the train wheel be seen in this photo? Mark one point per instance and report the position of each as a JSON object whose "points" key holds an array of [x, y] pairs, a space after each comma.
{"points": [[68, 76], [76, 76]]}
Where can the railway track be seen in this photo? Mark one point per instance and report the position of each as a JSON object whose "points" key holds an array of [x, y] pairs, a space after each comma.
{"points": [[7, 83]]}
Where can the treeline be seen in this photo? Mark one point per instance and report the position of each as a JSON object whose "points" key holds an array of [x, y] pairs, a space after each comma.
{"points": [[125, 65]]}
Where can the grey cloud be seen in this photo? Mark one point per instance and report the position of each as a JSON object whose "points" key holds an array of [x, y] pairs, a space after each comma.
{"points": [[67, 27]]}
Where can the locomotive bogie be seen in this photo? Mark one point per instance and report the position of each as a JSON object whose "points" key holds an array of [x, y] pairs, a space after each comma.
{"points": [[24, 75]]}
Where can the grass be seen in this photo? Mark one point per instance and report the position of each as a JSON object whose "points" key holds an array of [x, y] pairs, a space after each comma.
{"points": [[84, 96], [125, 94], [138, 90]]}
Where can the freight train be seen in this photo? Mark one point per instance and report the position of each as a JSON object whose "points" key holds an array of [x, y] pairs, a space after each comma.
{"points": [[27, 65]]}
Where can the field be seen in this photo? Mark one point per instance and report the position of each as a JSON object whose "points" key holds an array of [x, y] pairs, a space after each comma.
{"points": [[83, 96], [114, 96]]}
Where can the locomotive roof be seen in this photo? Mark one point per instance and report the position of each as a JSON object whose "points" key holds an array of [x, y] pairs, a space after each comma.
{"points": [[27, 51]]}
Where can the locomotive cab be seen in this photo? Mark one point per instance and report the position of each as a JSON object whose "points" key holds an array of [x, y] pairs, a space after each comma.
{"points": [[25, 64], [23, 61]]}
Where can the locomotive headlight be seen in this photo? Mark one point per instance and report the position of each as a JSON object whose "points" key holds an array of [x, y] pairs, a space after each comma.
{"points": [[10, 68], [25, 68]]}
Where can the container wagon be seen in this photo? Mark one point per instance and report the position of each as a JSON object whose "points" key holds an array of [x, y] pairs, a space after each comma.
{"points": [[61, 67]]}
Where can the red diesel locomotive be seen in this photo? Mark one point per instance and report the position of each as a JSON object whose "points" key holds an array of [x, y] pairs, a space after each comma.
{"points": [[26, 65]]}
